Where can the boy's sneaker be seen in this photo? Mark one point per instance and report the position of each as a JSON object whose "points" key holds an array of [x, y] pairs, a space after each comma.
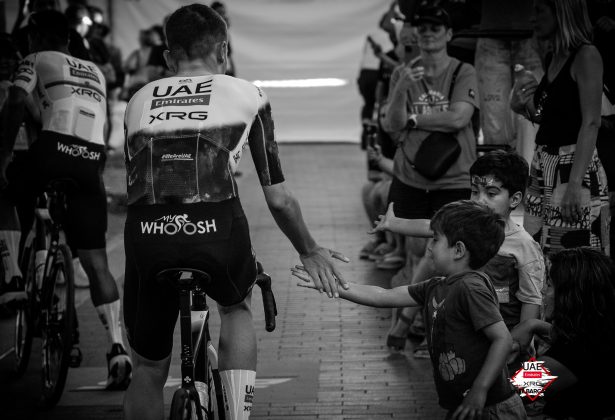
{"points": [[368, 249], [119, 366]]}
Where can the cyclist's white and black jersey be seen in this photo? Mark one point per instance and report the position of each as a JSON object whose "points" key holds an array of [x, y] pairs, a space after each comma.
{"points": [[185, 137], [70, 94]]}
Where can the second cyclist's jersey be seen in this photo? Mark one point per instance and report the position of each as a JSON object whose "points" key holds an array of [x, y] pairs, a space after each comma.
{"points": [[70, 94], [185, 137]]}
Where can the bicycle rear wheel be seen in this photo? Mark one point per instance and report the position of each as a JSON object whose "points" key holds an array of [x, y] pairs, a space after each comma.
{"points": [[183, 407], [24, 322], [209, 374], [57, 320], [216, 393]]}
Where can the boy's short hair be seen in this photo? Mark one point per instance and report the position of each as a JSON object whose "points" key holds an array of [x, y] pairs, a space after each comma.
{"points": [[476, 225], [193, 31], [509, 168]]}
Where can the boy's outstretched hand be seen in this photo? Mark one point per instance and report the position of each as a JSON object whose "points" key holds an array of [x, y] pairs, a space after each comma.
{"points": [[319, 266], [384, 221], [307, 281]]}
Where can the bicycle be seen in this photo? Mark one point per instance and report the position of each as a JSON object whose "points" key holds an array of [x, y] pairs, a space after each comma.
{"points": [[199, 359], [49, 309]]}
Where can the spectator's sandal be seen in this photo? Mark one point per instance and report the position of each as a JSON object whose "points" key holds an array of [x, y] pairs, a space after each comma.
{"points": [[380, 251], [421, 351], [367, 249], [391, 262], [396, 343]]}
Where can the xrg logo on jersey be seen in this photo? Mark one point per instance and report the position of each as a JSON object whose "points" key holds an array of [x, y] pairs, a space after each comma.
{"points": [[177, 115]]}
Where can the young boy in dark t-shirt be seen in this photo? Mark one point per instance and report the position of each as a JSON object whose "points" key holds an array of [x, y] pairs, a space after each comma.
{"points": [[467, 339], [517, 271]]}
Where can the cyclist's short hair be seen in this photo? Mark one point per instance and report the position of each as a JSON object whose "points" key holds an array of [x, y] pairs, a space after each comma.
{"points": [[509, 168], [476, 225], [193, 31], [51, 25]]}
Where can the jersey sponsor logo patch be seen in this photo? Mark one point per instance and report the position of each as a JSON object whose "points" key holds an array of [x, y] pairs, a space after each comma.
{"points": [[76, 150], [82, 74], [203, 87], [173, 224], [181, 101], [176, 156], [82, 91], [177, 115]]}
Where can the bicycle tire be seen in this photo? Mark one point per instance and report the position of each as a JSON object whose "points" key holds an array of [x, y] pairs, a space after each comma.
{"points": [[24, 321], [216, 394], [183, 407], [57, 325]]}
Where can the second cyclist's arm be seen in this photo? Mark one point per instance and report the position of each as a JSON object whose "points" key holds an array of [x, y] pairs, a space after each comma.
{"points": [[12, 115]]}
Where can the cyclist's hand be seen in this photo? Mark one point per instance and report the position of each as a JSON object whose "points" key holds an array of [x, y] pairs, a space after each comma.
{"points": [[322, 269]]}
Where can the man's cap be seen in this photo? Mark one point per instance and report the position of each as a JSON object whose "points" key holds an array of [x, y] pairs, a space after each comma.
{"points": [[49, 22], [435, 15]]}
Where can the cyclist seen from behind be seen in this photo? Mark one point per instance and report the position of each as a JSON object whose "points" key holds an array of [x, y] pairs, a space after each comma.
{"points": [[184, 138], [71, 99]]}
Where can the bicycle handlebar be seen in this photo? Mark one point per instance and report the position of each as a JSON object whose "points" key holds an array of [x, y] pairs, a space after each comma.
{"points": [[263, 280]]}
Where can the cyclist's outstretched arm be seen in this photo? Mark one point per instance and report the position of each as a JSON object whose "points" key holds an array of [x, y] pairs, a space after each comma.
{"points": [[317, 260]]}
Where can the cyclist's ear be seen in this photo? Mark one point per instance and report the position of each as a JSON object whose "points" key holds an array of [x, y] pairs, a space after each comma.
{"points": [[171, 62]]}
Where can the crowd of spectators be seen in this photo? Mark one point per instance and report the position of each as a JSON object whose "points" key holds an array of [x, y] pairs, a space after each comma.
{"points": [[535, 80]]}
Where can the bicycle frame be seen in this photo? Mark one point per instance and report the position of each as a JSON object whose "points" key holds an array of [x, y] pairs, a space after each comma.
{"points": [[196, 347], [44, 236]]}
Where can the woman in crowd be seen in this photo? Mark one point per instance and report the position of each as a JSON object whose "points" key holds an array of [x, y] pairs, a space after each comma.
{"points": [[567, 200], [432, 93]]}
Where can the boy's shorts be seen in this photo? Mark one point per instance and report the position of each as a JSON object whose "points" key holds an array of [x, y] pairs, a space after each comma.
{"points": [[511, 408]]}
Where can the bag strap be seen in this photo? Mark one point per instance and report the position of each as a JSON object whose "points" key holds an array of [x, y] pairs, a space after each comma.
{"points": [[454, 79]]}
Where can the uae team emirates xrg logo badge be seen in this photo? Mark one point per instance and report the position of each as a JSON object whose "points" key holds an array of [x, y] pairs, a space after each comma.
{"points": [[532, 379]]}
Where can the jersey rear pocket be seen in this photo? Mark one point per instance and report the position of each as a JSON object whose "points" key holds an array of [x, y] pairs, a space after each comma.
{"points": [[174, 169]]}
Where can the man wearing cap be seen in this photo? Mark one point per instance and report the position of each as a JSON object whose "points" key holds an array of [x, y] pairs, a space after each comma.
{"points": [[70, 96], [418, 105]]}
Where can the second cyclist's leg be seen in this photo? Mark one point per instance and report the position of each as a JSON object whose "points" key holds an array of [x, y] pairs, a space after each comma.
{"points": [[106, 299], [237, 358]]}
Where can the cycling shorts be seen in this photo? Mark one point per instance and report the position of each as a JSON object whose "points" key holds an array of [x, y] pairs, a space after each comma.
{"points": [[56, 155], [212, 237]]}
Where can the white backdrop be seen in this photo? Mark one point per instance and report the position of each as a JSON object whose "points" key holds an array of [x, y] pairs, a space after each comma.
{"points": [[282, 40]]}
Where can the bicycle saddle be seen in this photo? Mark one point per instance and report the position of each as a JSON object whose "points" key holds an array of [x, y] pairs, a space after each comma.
{"points": [[184, 277]]}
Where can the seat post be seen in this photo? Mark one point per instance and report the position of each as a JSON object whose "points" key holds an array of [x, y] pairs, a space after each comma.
{"points": [[185, 323]]}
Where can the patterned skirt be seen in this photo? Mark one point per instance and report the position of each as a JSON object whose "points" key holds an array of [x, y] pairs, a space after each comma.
{"points": [[549, 174]]}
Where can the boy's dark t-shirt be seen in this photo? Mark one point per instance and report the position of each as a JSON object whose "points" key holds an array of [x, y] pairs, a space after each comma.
{"points": [[455, 310]]}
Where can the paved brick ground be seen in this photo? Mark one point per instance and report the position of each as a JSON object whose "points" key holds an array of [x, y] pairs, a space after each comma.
{"points": [[326, 359]]}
